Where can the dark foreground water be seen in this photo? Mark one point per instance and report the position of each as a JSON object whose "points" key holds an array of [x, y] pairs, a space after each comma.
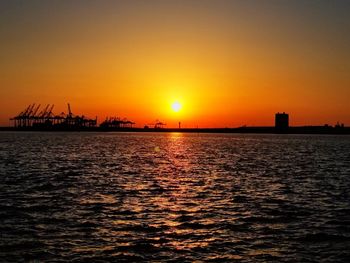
{"points": [[129, 197]]}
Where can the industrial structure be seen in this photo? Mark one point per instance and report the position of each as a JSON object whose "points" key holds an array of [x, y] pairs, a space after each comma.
{"points": [[32, 118], [281, 122], [116, 123], [157, 125]]}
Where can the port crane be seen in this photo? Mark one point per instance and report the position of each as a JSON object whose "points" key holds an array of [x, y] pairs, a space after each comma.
{"points": [[33, 117], [158, 124]]}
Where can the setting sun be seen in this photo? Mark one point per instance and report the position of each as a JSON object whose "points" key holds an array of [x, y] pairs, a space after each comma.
{"points": [[176, 106]]}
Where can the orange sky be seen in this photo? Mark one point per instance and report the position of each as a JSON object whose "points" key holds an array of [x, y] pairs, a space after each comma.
{"points": [[229, 63]]}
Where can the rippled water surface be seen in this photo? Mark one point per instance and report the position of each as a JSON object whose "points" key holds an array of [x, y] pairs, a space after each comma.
{"points": [[159, 197]]}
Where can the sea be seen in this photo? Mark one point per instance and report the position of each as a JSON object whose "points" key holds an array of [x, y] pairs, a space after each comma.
{"points": [[174, 197]]}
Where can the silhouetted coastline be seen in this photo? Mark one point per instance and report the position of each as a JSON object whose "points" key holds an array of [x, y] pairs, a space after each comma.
{"points": [[271, 130], [34, 119]]}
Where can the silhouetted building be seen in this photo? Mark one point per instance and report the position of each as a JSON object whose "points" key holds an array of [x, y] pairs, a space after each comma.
{"points": [[281, 122]]}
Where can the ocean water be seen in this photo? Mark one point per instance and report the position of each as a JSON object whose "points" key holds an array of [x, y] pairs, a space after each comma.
{"points": [[172, 197]]}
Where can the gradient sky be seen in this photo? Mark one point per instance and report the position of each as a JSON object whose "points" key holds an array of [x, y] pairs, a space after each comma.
{"points": [[229, 63]]}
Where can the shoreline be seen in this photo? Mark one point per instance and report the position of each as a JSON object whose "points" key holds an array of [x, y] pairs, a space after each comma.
{"points": [[263, 130]]}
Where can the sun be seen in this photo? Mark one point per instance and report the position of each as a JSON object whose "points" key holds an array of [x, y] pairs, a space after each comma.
{"points": [[176, 106]]}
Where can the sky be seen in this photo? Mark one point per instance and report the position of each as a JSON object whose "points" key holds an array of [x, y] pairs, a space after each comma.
{"points": [[228, 63]]}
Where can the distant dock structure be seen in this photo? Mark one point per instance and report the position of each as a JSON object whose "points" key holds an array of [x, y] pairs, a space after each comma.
{"points": [[116, 123], [33, 119], [281, 122]]}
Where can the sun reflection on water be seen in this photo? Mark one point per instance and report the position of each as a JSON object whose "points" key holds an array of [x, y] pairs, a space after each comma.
{"points": [[172, 196]]}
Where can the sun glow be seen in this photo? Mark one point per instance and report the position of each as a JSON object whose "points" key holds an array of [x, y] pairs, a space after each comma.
{"points": [[176, 106]]}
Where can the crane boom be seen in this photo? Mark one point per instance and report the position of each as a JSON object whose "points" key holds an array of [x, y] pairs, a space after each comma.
{"points": [[28, 110], [31, 110], [50, 111], [69, 111], [35, 111], [23, 112]]}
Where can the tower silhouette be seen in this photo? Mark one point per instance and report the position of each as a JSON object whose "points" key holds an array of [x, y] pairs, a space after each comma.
{"points": [[281, 122]]}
